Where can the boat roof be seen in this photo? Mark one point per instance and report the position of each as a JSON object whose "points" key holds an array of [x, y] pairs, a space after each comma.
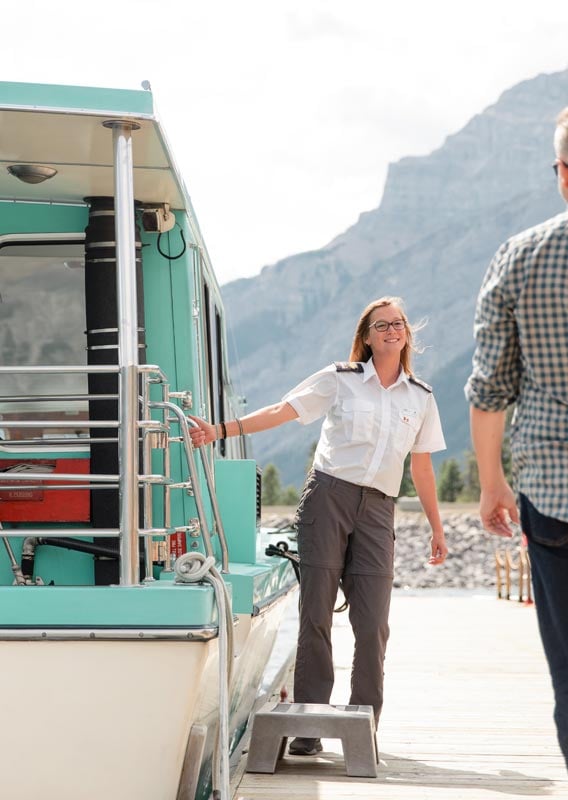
{"points": [[62, 127]]}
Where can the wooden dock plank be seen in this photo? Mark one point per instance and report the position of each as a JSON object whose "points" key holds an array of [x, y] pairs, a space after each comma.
{"points": [[467, 716]]}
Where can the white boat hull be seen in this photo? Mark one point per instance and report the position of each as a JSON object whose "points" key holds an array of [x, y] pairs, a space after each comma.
{"points": [[86, 720]]}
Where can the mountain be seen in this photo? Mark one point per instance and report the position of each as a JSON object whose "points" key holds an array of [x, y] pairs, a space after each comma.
{"points": [[441, 218]]}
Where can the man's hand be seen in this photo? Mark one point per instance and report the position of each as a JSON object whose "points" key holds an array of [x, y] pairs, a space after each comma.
{"points": [[497, 508]]}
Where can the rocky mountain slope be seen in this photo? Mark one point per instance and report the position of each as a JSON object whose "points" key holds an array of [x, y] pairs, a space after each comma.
{"points": [[441, 218]]}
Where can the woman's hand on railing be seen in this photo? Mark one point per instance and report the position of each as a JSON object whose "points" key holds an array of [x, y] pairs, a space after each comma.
{"points": [[203, 434]]}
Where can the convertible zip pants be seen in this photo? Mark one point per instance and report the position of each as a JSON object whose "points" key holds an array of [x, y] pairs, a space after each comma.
{"points": [[346, 532]]}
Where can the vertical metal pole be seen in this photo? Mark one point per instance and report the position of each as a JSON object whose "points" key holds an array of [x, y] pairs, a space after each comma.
{"points": [[127, 350], [167, 490], [147, 468]]}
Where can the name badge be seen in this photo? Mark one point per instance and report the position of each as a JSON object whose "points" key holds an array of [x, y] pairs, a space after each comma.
{"points": [[408, 415]]}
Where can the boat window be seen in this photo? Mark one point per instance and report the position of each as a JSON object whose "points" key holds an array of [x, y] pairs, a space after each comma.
{"points": [[42, 323], [214, 361], [220, 385]]}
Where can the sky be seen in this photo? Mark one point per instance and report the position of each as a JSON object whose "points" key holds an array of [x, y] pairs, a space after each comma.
{"points": [[285, 114]]}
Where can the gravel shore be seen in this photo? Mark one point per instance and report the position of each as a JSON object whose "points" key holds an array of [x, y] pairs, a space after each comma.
{"points": [[470, 563]]}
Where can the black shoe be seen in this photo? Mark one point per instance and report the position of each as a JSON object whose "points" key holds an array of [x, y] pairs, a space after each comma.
{"points": [[305, 747]]}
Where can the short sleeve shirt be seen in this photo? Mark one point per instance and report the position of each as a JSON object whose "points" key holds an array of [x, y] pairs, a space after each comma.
{"points": [[368, 429]]}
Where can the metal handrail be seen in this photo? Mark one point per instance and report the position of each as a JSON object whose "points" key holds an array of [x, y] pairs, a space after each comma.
{"points": [[61, 423], [153, 369], [147, 492], [76, 477], [192, 470], [74, 442], [86, 481], [48, 533], [61, 370], [213, 498], [62, 486], [46, 398], [147, 424], [167, 467]]}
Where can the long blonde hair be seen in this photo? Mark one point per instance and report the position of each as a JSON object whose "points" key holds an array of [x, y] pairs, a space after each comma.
{"points": [[360, 351]]}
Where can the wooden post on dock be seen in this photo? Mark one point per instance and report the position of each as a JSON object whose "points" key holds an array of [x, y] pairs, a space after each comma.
{"points": [[505, 564]]}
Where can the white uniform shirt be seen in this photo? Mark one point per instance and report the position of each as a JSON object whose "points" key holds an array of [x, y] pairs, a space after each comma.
{"points": [[368, 430]]}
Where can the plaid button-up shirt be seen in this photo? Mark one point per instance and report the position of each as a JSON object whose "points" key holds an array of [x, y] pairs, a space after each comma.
{"points": [[521, 329]]}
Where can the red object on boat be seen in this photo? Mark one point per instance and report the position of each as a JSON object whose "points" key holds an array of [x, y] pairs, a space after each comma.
{"points": [[18, 504]]}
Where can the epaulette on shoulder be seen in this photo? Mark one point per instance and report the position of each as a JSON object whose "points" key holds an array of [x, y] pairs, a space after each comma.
{"points": [[418, 382], [348, 366]]}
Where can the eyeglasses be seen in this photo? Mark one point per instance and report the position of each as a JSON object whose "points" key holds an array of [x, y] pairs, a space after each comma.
{"points": [[556, 163], [381, 325]]}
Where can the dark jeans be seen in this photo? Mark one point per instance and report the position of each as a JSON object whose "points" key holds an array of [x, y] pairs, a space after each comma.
{"points": [[548, 551]]}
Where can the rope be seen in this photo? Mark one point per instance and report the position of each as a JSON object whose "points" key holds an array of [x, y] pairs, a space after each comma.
{"points": [[281, 549], [195, 568]]}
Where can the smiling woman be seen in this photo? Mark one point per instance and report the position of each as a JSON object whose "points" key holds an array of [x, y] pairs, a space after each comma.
{"points": [[375, 412], [376, 321]]}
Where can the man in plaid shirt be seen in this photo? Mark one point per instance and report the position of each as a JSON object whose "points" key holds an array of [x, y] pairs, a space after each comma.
{"points": [[521, 329]]}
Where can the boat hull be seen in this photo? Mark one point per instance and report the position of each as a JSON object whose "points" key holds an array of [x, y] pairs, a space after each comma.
{"points": [[112, 719]]}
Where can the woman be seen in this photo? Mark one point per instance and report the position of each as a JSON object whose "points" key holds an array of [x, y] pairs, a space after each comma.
{"points": [[376, 412]]}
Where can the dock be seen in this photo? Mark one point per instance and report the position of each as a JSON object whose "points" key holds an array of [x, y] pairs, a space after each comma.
{"points": [[467, 715]]}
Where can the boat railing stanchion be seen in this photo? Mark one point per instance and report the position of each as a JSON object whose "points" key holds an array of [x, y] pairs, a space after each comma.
{"points": [[19, 579], [188, 447], [144, 378], [128, 408], [167, 490]]}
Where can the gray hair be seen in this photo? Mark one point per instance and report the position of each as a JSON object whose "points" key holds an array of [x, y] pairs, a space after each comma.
{"points": [[561, 135]]}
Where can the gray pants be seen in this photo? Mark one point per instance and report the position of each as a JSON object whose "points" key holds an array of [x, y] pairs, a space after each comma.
{"points": [[345, 532]]}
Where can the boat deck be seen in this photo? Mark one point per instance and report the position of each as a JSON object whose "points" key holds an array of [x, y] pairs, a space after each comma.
{"points": [[467, 716]]}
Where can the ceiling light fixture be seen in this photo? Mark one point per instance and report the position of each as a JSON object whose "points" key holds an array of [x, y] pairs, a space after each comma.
{"points": [[31, 173]]}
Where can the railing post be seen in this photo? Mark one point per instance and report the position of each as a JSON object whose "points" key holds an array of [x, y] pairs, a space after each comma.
{"points": [[147, 465], [127, 349]]}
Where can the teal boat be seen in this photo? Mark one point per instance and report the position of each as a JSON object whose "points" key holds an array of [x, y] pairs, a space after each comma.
{"points": [[138, 609]]}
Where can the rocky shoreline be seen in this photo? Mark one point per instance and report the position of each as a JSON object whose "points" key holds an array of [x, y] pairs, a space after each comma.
{"points": [[470, 563]]}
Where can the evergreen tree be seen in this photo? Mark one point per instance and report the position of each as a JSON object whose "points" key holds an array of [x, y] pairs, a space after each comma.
{"points": [[271, 488], [311, 454], [407, 487], [450, 482], [471, 489], [289, 496]]}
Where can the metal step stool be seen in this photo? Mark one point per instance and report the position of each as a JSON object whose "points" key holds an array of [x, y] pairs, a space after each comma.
{"points": [[354, 725]]}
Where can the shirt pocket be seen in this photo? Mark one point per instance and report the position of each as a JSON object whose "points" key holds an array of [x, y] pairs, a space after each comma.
{"points": [[357, 416], [407, 425]]}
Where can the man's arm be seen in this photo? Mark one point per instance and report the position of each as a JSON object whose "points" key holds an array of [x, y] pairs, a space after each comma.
{"points": [[497, 503]]}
